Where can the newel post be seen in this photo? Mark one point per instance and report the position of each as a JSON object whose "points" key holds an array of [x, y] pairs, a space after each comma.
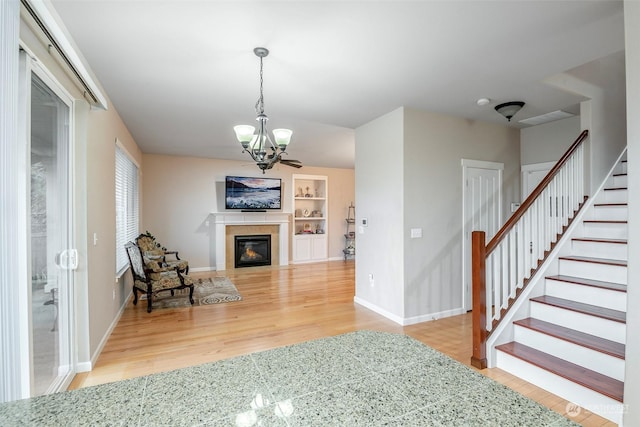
{"points": [[479, 299]]}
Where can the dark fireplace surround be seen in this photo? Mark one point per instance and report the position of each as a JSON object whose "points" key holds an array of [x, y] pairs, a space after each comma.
{"points": [[252, 251]]}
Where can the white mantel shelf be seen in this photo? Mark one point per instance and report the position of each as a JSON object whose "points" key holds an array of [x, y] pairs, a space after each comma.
{"points": [[222, 219]]}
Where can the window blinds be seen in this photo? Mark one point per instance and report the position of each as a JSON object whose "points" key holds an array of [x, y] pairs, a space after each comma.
{"points": [[126, 206]]}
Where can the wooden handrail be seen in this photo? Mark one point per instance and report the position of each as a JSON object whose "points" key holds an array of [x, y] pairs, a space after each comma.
{"points": [[480, 253], [534, 194]]}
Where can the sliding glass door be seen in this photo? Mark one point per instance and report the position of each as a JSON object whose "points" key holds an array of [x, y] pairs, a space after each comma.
{"points": [[51, 258]]}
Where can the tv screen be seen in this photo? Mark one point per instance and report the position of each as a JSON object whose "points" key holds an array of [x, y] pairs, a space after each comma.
{"points": [[252, 193]]}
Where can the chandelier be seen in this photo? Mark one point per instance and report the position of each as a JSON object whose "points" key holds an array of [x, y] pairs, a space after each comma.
{"points": [[259, 145]]}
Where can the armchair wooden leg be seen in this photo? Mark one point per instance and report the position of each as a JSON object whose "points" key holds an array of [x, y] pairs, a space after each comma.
{"points": [[148, 302], [135, 296], [191, 294]]}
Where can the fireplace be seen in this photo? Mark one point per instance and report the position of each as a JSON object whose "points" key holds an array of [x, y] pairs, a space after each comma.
{"points": [[252, 251]]}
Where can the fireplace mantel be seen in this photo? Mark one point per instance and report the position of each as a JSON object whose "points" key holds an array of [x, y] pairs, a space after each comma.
{"points": [[223, 219]]}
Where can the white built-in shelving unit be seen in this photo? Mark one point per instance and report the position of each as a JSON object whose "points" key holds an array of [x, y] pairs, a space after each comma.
{"points": [[310, 218]]}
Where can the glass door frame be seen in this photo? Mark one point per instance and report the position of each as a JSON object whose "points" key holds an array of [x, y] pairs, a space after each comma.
{"points": [[29, 67]]}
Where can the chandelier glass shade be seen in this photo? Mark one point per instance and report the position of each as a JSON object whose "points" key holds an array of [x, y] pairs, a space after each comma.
{"points": [[258, 143]]}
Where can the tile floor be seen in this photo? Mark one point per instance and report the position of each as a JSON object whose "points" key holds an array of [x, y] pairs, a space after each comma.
{"points": [[363, 378]]}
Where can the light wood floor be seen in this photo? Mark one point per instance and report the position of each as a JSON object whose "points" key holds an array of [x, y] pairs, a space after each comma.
{"points": [[280, 306]]}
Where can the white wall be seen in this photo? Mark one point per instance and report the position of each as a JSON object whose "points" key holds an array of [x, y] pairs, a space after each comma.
{"points": [[180, 193], [380, 199], [421, 187], [632, 370], [602, 82], [549, 141]]}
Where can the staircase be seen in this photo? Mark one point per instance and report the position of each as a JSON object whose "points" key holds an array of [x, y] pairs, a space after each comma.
{"points": [[573, 342]]}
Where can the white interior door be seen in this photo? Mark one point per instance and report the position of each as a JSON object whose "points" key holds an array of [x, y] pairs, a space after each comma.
{"points": [[532, 175], [482, 210]]}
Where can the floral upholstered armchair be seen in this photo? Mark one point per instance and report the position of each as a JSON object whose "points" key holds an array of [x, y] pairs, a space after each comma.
{"points": [[151, 281], [155, 255]]}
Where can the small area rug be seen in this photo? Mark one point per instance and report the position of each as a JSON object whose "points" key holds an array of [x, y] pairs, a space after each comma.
{"points": [[210, 290]]}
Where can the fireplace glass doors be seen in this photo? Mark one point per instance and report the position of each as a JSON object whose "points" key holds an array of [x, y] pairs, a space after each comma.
{"points": [[252, 251]]}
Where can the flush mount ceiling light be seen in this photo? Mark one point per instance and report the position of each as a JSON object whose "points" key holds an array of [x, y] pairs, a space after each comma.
{"points": [[509, 109], [259, 145], [483, 101]]}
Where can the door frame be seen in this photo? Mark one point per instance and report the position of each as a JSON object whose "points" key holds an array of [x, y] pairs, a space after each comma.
{"points": [[468, 164]]}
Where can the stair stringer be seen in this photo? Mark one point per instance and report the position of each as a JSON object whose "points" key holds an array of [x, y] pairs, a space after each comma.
{"points": [[520, 309]]}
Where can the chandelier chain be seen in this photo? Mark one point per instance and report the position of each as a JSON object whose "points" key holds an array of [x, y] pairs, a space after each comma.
{"points": [[260, 102]]}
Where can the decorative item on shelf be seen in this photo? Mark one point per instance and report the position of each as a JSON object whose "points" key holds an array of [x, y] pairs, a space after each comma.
{"points": [[260, 146], [316, 214], [306, 213], [306, 228], [307, 194], [317, 193], [350, 236], [299, 193], [298, 213], [319, 230]]}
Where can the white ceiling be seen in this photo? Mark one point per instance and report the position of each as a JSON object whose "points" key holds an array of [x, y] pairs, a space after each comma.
{"points": [[182, 73]]}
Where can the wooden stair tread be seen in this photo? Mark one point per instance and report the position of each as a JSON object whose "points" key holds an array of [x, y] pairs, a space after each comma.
{"points": [[589, 282], [615, 188], [605, 221], [610, 204], [600, 240], [582, 339], [580, 375], [618, 262], [579, 307]]}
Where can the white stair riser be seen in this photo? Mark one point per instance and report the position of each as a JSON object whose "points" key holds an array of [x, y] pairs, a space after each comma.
{"points": [[604, 328], [591, 359], [593, 271], [595, 402], [611, 213], [614, 196], [599, 249], [618, 181], [622, 168], [606, 298], [606, 230]]}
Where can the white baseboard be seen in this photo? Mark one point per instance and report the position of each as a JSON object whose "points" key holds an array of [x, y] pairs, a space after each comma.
{"points": [[84, 367], [378, 310], [88, 366], [433, 316], [410, 320], [199, 269]]}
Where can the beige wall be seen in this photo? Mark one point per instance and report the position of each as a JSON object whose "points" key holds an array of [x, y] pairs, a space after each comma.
{"points": [[103, 128], [180, 193]]}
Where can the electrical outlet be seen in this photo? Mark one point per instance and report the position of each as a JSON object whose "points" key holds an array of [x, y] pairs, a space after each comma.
{"points": [[114, 294], [371, 282]]}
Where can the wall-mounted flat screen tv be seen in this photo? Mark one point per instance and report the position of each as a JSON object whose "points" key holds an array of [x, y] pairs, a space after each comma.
{"points": [[255, 194]]}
